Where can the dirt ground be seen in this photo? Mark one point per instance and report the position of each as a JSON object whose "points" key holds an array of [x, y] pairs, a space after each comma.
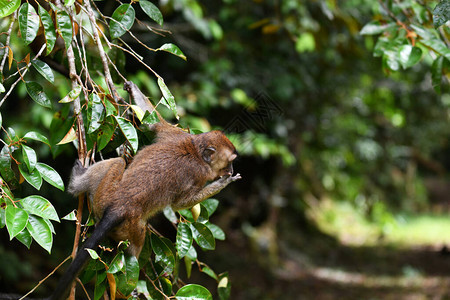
{"points": [[319, 268]]}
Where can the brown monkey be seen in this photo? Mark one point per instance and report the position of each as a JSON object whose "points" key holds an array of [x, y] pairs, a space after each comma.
{"points": [[179, 170]]}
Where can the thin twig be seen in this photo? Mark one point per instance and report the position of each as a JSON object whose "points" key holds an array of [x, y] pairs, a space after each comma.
{"points": [[98, 42], [51, 273], [21, 78], [8, 38]]}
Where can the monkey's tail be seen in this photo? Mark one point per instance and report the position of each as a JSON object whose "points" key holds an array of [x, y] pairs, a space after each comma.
{"points": [[108, 222]]}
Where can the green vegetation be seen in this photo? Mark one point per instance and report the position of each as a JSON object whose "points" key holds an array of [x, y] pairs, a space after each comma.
{"points": [[339, 110]]}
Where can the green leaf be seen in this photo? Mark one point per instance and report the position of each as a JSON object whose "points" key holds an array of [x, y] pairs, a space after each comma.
{"points": [[29, 156], [39, 206], [72, 95], [167, 95], [217, 232], [170, 214], [8, 7], [43, 69], [129, 132], [171, 48], [28, 22], [33, 178], [224, 287], [40, 232], [152, 11], [188, 265], [95, 111], [128, 280], [409, 55], [2, 87], [375, 27], [92, 253], [5, 167], [50, 175], [16, 220], [122, 20], [117, 263], [210, 205], [203, 236], [69, 2], [1, 120], [64, 24], [163, 253], [184, 239], [150, 118], [37, 93], [32, 135], [72, 216], [441, 13], [436, 73], [193, 291], [104, 135], [49, 29], [138, 112], [25, 238], [208, 271]]}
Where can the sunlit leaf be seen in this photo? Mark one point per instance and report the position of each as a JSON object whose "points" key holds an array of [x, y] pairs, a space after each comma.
{"points": [[49, 29], [409, 55], [72, 216], [70, 136], [441, 13], [95, 111], [33, 135], [217, 232], [40, 232], [24, 237], [193, 291], [64, 24], [29, 157], [122, 20], [167, 95], [210, 205], [72, 95], [28, 22], [203, 236], [184, 239], [43, 69], [39, 206], [224, 287], [163, 253], [117, 263], [129, 132], [36, 92], [33, 177], [375, 27], [171, 48], [7, 7], [50, 175], [16, 220]]}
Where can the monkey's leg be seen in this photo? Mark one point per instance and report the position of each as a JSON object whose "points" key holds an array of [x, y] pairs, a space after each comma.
{"points": [[132, 229], [207, 192]]}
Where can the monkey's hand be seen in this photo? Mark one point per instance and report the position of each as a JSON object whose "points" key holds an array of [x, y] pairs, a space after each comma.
{"points": [[207, 192], [229, 179]]}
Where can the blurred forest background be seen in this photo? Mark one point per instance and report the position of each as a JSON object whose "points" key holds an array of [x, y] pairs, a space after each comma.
{"points": [[344, 145]]}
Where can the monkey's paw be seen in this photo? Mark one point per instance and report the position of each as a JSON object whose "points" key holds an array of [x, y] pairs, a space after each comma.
{"points": [[229, 179]]}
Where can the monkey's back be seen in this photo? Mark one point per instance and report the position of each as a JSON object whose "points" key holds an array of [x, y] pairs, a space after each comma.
{"points": [[160, 175]]}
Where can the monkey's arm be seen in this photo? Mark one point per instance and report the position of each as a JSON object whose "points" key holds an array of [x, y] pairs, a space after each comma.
{"points": [[207, 192]]}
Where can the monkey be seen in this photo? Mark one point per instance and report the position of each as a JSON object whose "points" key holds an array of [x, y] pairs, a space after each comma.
{"points": [[178, 170]]}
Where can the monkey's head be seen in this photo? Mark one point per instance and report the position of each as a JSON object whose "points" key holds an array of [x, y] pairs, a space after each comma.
{"points": [[219, 153]]}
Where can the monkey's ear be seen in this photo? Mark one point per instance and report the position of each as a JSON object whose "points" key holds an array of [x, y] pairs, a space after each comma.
{"points": [[207, 153]]}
